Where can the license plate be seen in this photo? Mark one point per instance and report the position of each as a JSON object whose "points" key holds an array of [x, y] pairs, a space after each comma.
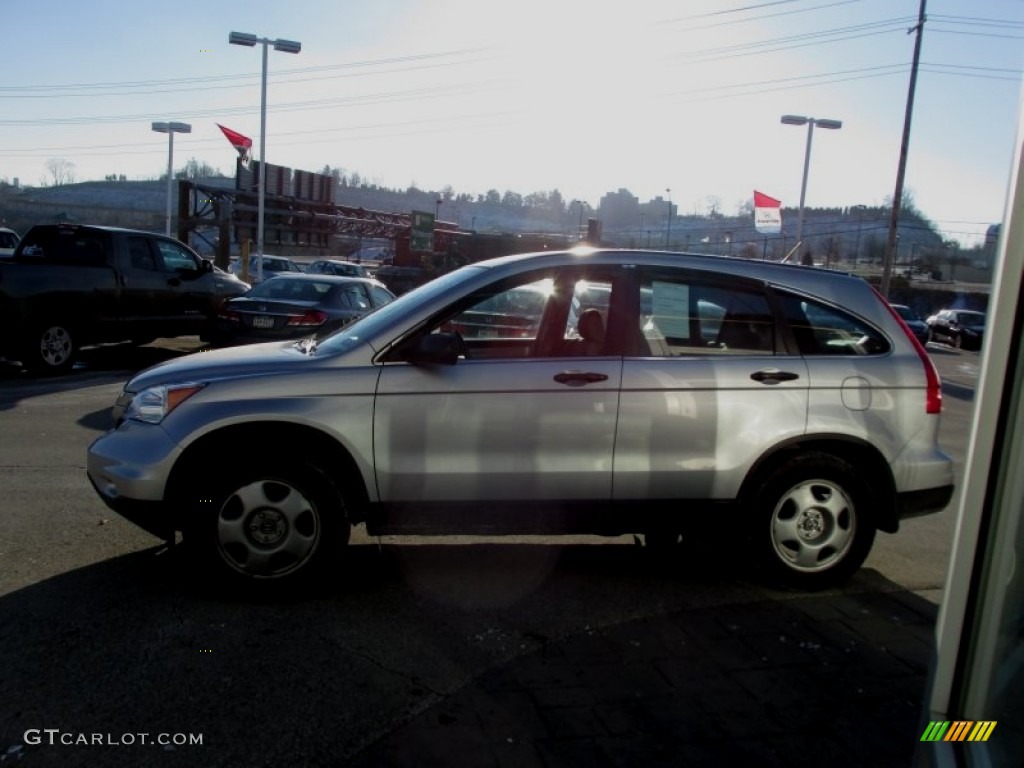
{"points": [[262, 321]]}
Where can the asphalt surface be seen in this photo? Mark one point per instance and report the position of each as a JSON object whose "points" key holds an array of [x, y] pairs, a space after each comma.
{"points": [[455, 652]]}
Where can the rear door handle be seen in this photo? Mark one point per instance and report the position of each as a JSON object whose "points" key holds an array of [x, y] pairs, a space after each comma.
{"points": [[579, 378], [773, 376]]}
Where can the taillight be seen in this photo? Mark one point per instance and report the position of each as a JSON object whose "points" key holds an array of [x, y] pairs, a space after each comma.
{"points": [[311, 317], [933, 392]]}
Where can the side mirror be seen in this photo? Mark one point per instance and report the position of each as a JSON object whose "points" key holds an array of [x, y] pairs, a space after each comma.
{"points": [[437, 349], [205, 265]]}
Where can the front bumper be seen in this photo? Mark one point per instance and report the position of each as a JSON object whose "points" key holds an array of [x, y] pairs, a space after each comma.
{"points": [[129, 468], [151, 516]]}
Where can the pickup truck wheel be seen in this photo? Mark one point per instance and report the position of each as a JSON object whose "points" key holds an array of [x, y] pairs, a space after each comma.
{"points": [[812, 524], [50, 349], [279, 522]]}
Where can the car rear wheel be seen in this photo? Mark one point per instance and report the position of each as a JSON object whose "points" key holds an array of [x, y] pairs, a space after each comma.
{"points": [[50, 349], [813, 527], [277, 522]]}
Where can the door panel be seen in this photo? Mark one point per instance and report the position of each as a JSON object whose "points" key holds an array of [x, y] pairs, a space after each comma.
{"points": [[496, 430], [706, 389], [691, 427]]}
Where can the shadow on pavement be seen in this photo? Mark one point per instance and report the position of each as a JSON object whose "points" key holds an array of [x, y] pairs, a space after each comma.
{"points": [[483, 654]]}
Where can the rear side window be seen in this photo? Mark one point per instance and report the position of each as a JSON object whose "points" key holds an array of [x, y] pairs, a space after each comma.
{"points": [[682, 314], [820, 329], [353, 297], [73, 246]]}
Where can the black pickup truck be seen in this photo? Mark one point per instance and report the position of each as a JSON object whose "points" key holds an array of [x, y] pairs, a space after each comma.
{"points": [[70, 285]]}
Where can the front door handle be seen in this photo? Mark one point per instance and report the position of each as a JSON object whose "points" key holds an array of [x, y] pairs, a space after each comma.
{"points": [[773, 376], [579, 378]]}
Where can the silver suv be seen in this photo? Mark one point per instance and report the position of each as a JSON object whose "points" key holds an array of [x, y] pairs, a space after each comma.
{"points": [[786, 410]]}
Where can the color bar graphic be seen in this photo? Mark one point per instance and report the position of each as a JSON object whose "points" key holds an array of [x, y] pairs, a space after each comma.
{"points": [[958, 730]]}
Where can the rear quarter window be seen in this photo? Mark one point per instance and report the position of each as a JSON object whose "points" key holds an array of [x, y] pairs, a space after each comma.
{"points": [[820, 329], [75, 247]]}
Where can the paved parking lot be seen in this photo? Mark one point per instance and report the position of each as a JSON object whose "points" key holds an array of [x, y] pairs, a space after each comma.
{"points": [[438, 652]]}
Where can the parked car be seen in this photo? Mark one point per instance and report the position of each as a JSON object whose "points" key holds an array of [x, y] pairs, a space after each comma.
{"points": [[959, 327], [70, 285], [272, 267], [8, 241], [295, 306], [337, 267], [913, 321], [779, 414], [400, 280]]}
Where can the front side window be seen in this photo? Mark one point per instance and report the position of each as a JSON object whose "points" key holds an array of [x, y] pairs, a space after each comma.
{"points": [[512, 313], [820, 329], [556, 313], [176, 258]]}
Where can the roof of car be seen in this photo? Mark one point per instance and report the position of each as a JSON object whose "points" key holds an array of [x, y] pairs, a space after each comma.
{"points": [[340, 279], [842, 288]]}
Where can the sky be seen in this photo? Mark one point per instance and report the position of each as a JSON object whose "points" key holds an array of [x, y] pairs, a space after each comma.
{"points": [[535, 95]]}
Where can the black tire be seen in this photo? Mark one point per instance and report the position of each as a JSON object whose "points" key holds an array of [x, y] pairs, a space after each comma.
{"points": [[812, 522], [50, 349], [276, 523]]}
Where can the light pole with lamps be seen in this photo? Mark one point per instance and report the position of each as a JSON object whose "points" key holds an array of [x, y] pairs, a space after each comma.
{"points": [[286, 46], [170, 129], [668, 225], [810, 122]]}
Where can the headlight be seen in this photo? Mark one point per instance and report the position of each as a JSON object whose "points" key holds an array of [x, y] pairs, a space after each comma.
{"points": [[152, 405]]}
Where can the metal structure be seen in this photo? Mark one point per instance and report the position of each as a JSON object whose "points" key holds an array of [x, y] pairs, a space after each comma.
{"points": [[288, 220]]}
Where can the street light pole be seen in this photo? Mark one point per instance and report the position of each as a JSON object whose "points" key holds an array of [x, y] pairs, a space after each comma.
{"points": [[170, 129], [810, 122], [286, 46]]}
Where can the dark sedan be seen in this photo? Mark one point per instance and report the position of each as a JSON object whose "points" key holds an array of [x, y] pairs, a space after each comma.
{"points": [[918, 326], [959, 327], [296, 306]]}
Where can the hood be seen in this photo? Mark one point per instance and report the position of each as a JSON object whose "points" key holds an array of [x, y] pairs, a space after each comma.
{"points": [[233, 362]]}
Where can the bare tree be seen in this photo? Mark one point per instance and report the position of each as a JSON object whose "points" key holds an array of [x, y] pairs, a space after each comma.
{"points": [[61, 171]]}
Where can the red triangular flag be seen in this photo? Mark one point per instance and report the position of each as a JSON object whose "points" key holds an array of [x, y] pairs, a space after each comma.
{"points": [[242, 143]]}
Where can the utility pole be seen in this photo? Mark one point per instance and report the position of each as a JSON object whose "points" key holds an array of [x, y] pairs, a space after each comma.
{"points": [[897, 196]]}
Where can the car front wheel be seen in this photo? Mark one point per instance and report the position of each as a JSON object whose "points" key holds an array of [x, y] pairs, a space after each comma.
{"points": [[51, 349], [813, 526], [276, 523]]}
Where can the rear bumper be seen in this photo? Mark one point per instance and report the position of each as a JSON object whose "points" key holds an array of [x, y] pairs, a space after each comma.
{"points": [[925, 502]]}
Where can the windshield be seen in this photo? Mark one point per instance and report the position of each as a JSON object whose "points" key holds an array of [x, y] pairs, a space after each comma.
{"points": [[905, 312], [286, 288], [348, 337]]}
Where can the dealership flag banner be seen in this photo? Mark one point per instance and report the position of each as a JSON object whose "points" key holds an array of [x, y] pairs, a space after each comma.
{"points": [[242, 143], [767, 214]]}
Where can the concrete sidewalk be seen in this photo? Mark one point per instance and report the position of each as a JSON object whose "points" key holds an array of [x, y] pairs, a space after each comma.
{"points": [[793, 680]]}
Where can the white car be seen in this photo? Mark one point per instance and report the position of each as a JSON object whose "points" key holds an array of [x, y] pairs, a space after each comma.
{"points": [[8, 241], [272, 267]]}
